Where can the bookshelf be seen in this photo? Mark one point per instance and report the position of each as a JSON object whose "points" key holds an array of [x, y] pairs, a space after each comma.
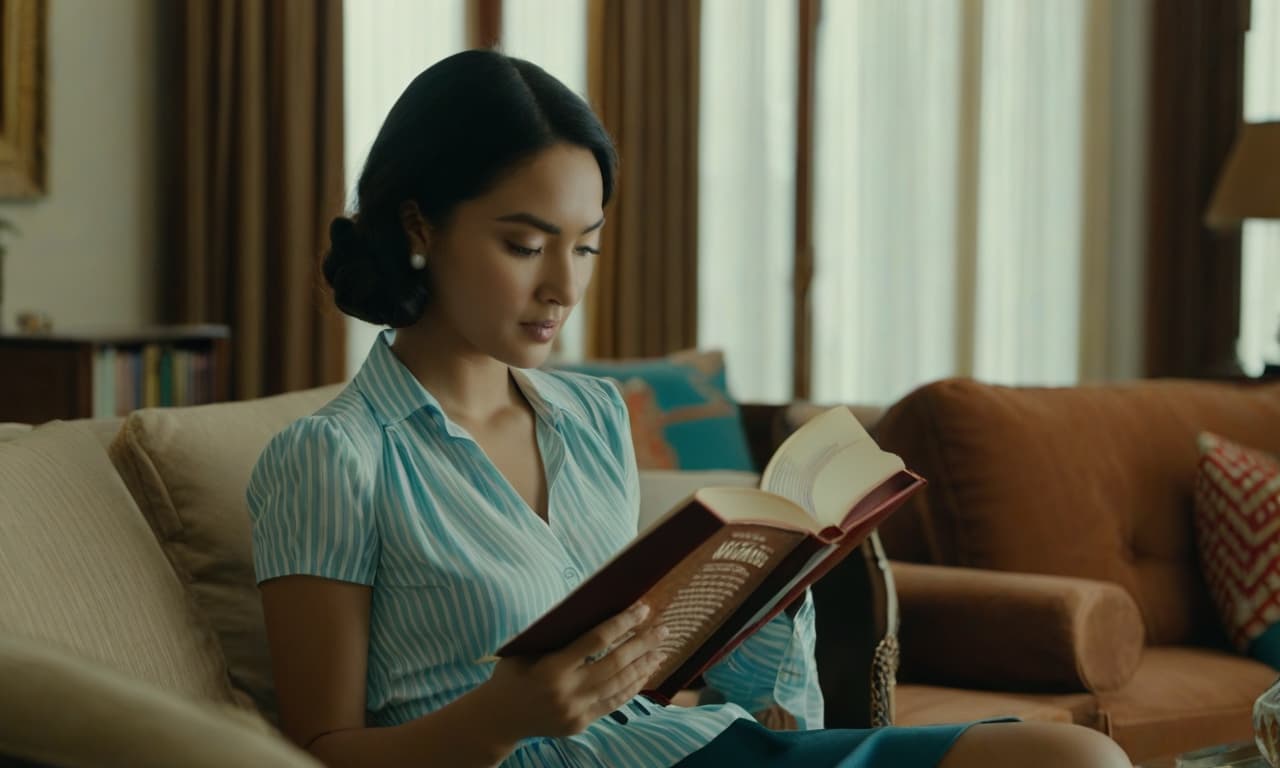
{"points": [[106, 372]]}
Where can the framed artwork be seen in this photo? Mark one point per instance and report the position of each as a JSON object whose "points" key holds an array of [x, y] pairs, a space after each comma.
{"points": [[23, 99]]}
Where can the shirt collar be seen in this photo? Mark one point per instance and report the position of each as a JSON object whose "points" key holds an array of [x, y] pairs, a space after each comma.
{"points": [[395, 393], [391, 389]]}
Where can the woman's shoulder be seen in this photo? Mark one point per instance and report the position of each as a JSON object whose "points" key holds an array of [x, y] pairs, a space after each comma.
{"points": [[343, 431]]}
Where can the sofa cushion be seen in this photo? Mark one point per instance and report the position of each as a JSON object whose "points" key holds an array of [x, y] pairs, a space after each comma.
{"points": [[80, 570], [1184, 698], [1237, 510], [1094, 482], [682, 416], [62, 710], [188, 469]]}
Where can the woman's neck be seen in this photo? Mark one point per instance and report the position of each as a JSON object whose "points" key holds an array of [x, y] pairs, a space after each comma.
{"points": [[471, 387]]}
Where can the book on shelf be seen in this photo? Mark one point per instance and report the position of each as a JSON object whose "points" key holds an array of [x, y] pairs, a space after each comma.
{"points": [[164, 373], [148, 375], [725, 561]]}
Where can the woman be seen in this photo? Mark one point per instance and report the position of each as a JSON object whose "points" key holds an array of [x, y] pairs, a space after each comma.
{"points": [[453, 492]]}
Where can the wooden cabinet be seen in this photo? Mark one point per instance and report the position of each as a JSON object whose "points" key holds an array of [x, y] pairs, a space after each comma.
{"points": [[100, 373]]}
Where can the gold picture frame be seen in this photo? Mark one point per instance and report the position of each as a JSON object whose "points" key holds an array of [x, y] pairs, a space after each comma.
{"points": [[23, 100]]}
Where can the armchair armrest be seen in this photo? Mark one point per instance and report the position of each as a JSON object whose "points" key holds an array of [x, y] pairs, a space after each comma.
{"points": [[60, 709], [1015, 631]]}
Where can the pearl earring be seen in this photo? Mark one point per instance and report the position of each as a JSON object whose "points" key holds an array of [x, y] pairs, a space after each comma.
{"points": [[418, 261]]}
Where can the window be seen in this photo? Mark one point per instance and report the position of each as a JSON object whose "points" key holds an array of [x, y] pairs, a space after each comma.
{"points": [[746, 192], [387, 44], [954, 189], [1260, 239]]}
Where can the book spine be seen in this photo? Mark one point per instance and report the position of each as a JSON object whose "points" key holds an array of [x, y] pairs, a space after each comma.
{"points": [[122, 382], [166, 376], [106, 381], [201, 374], [99, 374], [181, 370], [135, 379], [151, 376]]}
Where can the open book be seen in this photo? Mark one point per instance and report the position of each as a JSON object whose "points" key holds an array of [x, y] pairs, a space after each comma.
{"points": [[725, 561]]}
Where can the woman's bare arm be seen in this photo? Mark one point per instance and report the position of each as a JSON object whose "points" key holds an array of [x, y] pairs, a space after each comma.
{"points": [[318, 631]]}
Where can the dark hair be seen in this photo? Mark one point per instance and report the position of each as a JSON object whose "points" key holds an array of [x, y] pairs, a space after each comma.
{"points": [[453, 133]]}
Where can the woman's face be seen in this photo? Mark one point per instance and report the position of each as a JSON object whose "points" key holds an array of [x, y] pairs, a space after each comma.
{"points": [[510, 266]]}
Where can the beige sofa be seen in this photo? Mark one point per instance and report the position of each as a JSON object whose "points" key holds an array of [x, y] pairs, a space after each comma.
{"points": [[124, 647]]}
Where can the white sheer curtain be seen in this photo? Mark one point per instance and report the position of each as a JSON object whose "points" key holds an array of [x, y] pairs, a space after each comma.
{"points": [[746, 194], [1030, 191], [387, 43], [887, 175], [960, 147], [1260, 276], [553, 35]]}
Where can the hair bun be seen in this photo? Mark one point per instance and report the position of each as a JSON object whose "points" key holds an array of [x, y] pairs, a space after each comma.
{"points": [[342, 233], [372, 283]]}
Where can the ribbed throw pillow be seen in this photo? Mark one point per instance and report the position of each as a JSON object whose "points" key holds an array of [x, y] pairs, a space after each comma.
{"points": [[80, 570]]}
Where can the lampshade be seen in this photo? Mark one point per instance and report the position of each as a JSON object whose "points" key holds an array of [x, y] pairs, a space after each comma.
{"points": [[1249, 186]]}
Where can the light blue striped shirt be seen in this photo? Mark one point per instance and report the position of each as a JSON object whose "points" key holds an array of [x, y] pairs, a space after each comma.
{"points": [[380, 488]]}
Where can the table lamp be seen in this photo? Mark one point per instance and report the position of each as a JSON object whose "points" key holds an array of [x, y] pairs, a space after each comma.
{"points": [[1249, 185]]}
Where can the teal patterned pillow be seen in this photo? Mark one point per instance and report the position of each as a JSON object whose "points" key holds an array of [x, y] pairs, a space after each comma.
{"points": [[682, 416]]}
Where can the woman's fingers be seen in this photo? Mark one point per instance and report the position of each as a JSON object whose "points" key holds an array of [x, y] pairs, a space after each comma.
{"points": [[596, 643], [625, 654], [600, 671], [619, 688]]}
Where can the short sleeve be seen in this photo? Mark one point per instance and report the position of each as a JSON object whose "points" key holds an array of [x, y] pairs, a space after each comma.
{"points": [[309, 505]]}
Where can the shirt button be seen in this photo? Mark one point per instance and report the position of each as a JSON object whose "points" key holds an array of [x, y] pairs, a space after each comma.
{"points": [[570, 575]]}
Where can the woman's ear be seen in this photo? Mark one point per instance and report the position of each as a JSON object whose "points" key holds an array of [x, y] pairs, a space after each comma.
{"points": [[415, 227]]}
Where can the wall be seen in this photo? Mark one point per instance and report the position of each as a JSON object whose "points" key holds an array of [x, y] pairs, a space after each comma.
{"points": [[87, 252]]}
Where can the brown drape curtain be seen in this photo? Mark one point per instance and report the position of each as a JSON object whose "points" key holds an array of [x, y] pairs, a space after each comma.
{"points": [[643, 72], [484, 23], [1196, 105], [257, 175]]}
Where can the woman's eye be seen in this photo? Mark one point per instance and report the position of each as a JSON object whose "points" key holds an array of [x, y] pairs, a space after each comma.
{"points": [[583, 250], [520, 250]]}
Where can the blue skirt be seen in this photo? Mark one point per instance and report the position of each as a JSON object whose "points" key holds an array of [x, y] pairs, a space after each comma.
{"points": [[746, 742]]}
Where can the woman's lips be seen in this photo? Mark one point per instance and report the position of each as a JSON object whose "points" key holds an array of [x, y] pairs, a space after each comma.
{"points": [[542, 331]]}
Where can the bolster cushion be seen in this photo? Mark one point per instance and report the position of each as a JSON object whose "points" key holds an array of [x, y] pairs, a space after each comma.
{"points": [[1015, 631]]}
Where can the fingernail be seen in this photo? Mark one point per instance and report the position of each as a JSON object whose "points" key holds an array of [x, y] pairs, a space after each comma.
{"points": [[641, 611]]}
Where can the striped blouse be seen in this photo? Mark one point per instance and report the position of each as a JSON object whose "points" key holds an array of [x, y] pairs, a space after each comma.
{"points": [[380, 488]]}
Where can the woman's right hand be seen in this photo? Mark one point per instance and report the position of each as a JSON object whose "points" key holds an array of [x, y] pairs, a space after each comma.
{"points": [[562, 693]]}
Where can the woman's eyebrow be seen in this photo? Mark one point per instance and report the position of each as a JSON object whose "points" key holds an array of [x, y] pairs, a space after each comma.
{"points": [[543, 224]]}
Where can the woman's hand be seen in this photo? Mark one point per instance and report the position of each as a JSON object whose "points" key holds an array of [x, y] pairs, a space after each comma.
{"points": [[562, 693]]}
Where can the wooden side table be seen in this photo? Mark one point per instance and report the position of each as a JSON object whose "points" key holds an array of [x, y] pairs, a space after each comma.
{"points": [[105, 372]]}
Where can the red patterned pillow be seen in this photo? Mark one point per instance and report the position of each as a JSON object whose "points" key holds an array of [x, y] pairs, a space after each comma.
{"points": [[1237, 518]]}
